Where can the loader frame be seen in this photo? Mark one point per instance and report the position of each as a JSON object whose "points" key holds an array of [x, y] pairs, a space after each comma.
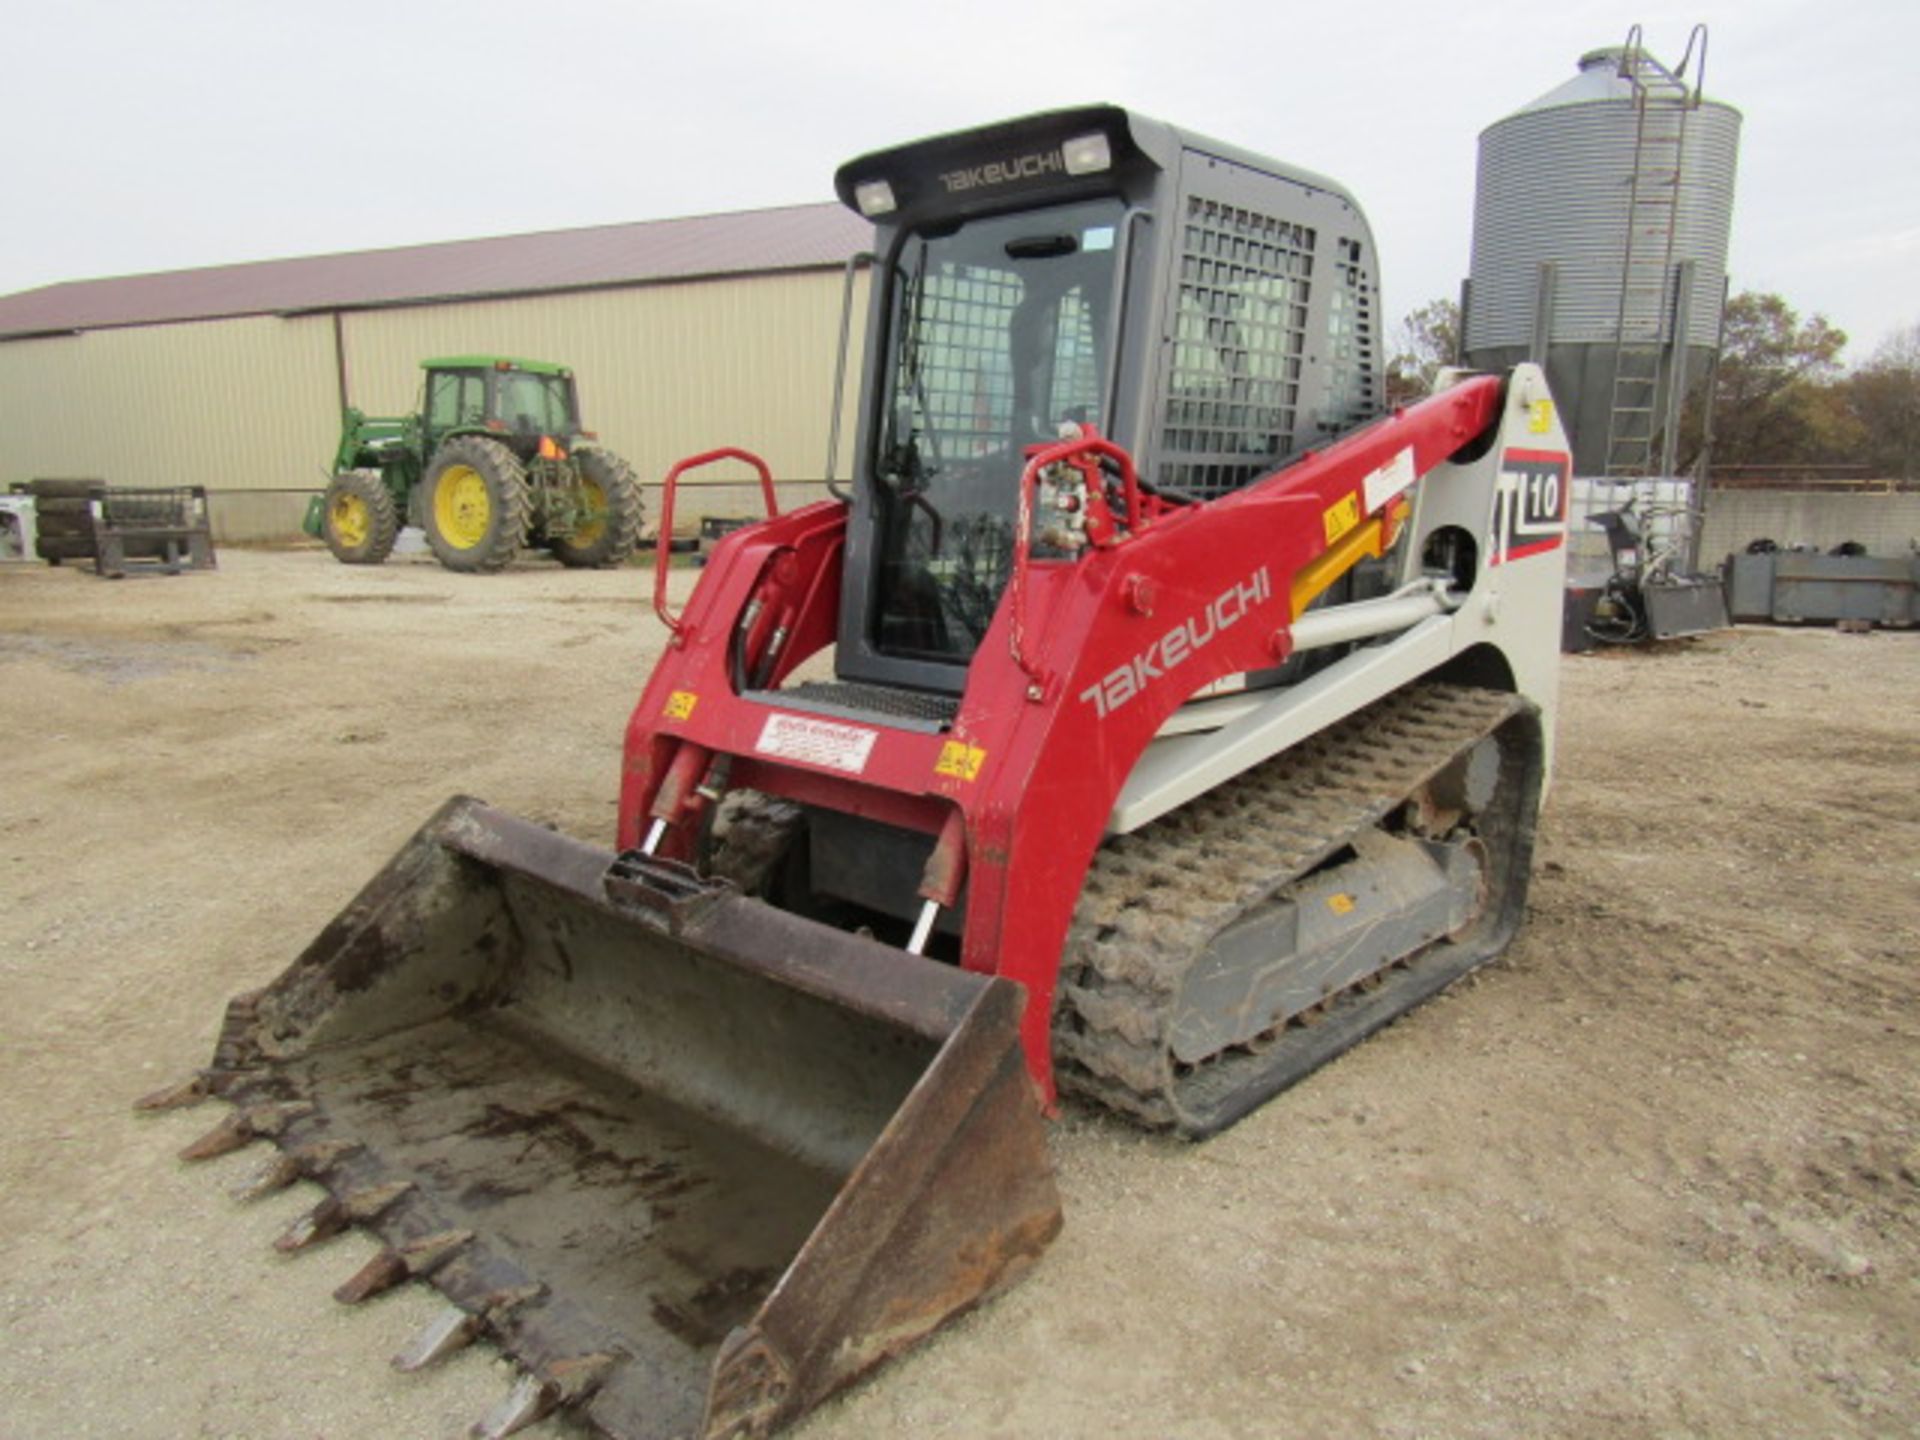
{"points": [[1019, 786]]}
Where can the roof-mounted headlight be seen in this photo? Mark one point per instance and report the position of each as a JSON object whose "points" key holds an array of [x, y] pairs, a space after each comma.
{"points": [[874, 197], [1087, 154]]}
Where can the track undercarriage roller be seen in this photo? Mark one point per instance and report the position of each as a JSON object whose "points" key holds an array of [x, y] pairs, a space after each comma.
{"points": [[1347, 880]]}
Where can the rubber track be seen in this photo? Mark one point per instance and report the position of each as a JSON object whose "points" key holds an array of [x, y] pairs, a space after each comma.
{"points": [[1154, 898]]}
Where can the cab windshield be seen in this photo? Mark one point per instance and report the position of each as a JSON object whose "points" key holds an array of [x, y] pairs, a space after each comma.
{"points": [[998, 332], [535, 404]]}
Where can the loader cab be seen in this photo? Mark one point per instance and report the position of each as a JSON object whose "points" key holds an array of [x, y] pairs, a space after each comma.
{"points": [[1211, 311], [514, 401]]}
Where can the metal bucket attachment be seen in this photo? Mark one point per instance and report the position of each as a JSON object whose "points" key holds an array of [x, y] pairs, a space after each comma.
{"points": [[694, 1162]]}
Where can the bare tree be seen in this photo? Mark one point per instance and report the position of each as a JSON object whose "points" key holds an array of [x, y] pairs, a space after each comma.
{"points": [[1426, 340]]}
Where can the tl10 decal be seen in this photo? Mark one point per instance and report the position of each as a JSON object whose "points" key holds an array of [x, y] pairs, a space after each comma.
{"points": [[1529, 504]]}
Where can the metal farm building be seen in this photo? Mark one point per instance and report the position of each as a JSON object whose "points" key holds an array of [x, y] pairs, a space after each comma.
{"points": [[685, 335]]}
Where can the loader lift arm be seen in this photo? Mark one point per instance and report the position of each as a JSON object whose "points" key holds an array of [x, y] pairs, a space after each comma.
{"points": [[1069, 721]]}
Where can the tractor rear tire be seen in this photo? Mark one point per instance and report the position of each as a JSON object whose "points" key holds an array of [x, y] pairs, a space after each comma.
{"points": [[358, 519], [610, 538], [475, 505]]}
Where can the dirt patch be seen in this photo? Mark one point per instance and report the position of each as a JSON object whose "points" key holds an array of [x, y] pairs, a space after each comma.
{"points": [[118, 662], [1655, 1173]]}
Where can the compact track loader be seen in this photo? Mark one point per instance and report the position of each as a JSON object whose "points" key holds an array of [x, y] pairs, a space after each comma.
{"points": [[1187, 721]]}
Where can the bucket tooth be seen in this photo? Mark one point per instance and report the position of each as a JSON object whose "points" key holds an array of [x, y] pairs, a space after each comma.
{"points": [[396, 1264], [232, 1133], [290, 1165], [536, 1396], [177, 1096], [242, 1127], [430, 1252], [280, 1171], [530, 1401], [323, 1222], [453, 1329], [332, 1215], [378, 1275]]}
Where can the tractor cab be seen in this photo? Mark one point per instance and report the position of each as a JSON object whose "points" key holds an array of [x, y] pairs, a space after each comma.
{"points": [[1208, 310], [516, 402]]}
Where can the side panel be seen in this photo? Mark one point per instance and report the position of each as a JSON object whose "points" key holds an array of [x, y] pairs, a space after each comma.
{"points": [[1268, 345], [1118, 640], [663, 371], [246, 407], [1502, 499]]}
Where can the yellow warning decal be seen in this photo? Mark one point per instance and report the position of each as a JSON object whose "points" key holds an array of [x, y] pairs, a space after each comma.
{"points": [[680, 704], [1342, 516], [1340, 904], [960, 760], [1540, 417]]}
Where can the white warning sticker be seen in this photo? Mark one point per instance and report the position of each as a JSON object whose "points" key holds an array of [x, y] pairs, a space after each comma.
{"points": [[817, 742], [1389, 480]]}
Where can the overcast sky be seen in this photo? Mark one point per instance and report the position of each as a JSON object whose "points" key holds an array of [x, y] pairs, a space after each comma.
{"points": [[154, 136]]}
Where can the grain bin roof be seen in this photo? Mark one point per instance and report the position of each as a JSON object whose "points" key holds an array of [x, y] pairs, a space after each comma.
{"points": [[795, 237]]}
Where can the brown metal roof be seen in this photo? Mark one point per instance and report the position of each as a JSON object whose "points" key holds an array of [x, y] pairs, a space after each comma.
{"points": [[792, 238]]}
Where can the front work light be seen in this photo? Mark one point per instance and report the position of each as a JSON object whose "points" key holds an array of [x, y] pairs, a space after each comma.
{"points": [[1087, 154], [875, 197]]}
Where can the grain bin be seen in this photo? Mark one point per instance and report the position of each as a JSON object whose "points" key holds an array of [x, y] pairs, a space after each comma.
{"points": [[1601, 219]]}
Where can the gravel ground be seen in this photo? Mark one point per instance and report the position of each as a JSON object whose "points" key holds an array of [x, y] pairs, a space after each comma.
{"points": [[1652, 1174]]}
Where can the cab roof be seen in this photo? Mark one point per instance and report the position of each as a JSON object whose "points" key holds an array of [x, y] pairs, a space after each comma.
{"points": [[490, 362]]}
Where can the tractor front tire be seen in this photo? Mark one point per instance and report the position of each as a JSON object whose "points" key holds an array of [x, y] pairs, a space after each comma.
{"points": [[474, 504], [612, 502], [358, 518]]}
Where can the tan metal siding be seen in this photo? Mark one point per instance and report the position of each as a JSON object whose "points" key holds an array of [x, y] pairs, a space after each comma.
{"points": [[230, 404], [664, 371], [249, 405]]}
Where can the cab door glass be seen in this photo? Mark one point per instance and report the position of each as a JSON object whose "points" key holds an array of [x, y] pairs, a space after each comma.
{"points": [[455, 398], [998, 338]]}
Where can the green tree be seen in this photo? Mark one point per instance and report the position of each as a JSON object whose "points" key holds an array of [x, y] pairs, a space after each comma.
{"points": [[1884, 397], [1775, 401], [1425, 341]]}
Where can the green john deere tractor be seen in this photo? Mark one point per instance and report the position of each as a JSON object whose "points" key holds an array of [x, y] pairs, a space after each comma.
{"points": [[495, 461]]}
